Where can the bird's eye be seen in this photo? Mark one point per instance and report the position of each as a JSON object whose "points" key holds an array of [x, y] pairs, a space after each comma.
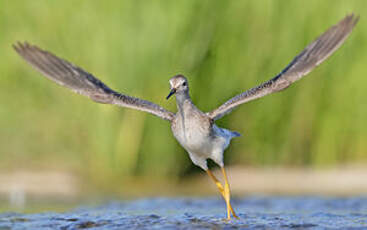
{"points": [[184, 84]]}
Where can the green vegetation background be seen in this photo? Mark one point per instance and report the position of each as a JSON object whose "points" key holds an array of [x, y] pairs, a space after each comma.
{"points": [[223, 47]]}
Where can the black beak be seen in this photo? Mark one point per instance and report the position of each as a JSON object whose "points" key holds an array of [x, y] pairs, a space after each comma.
{"points": [[173, 91]]}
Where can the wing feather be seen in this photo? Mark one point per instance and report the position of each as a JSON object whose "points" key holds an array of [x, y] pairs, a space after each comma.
{"points": [[313, 55], [75, 78]]}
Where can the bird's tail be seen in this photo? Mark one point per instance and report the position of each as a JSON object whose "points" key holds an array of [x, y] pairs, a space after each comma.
{"points": [[230, 133], [235, 134]]}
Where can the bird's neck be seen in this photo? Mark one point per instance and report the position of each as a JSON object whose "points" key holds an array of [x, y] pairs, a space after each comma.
{"points": [[181, 98]]}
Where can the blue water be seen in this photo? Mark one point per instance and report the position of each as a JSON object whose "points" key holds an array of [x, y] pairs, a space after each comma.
{"points": [[267, 212]]}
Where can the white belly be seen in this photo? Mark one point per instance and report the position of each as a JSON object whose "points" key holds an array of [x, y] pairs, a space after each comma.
{"points": [[194, 136], [197, 139], [193, 140]]}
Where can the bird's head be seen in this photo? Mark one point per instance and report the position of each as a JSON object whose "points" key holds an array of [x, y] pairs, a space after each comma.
{"points": [[178, 84]]}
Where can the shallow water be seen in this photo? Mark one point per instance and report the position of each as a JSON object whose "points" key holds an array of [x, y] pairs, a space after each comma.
{"points": [[203, 213]]}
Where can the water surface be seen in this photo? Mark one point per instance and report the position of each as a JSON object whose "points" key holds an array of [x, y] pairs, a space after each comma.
{"points": [[257, 212]]}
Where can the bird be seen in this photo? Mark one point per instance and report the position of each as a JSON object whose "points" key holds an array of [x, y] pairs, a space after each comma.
{"points": [[195, 130]]}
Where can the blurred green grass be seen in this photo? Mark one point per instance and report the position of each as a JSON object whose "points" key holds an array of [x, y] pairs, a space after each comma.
{"points": [[223, 47]]}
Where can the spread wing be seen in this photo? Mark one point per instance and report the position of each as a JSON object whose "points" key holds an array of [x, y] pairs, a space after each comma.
{"points": [[73, 77], [313, 55]]}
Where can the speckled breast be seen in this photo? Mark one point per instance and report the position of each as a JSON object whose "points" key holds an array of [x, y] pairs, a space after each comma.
{"points": [[193, 133]]}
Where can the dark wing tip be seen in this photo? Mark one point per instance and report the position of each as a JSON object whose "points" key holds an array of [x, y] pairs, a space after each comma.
{"points": [[24, 47], [350, 20], [356, 19], [18, 47]]}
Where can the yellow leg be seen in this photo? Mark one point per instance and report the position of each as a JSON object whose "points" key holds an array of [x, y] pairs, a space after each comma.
{"points": [[227, 194], [223, 193]]}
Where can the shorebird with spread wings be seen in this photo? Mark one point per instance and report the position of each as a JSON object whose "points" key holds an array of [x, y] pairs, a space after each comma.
{"points": [[195, 130]]}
